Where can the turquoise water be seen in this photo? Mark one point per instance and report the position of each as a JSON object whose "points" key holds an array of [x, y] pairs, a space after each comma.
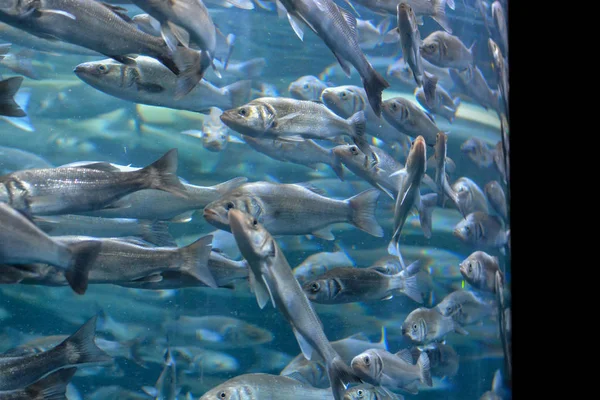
{"points": [[71, 121]]}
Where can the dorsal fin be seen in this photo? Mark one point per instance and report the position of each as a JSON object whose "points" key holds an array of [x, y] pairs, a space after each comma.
{"points": [[312, 188], [120, 11], [406, 356], [100, 166], [350, 20]]}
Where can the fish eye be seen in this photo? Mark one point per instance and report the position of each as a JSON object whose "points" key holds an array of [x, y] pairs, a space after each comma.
{"points": [[254, 222], [470, 268], [222, 136], [229, 205], [315, 287], [222, 395], [242, 112], [448, 309], [432, 47], [367, 360], [359, 392], [394, 106], [102, 68], [305, 86], [343, 95], [354, 150], [415, 327]]}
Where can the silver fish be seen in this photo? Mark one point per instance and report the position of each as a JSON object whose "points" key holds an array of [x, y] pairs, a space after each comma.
{"points": [[443, 104], [54, 384], [21, 242], [401, 70], [473, 84], [481, 271], [443, 359], [481, 230], [495, 393], [446, 51], [271, 277], [426, 325], [102, 28], [410, 119], [337, 28], [468, 196], [20, 63], [347, 285], [466, 307], [291, 209], [500, 22], [478, 151], [306, 152], [307, 87], [69, 190], [394, 371], [371, 36], [410, 40], [497, 199], [78, 349], [319, 263], [14, 159], [370, 392], [149, 82], [214, 134], [501, 69], [291, 119]]}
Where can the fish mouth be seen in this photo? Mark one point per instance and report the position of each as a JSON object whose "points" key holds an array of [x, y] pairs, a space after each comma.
{"points": [[458, 233]]}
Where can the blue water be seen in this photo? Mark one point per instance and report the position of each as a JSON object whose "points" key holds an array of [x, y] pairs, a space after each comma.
{"points": [[104, 131]]}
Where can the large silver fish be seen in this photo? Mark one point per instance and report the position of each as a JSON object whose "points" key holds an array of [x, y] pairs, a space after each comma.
{"points": [[407, 117], [54, 384], [271, 278]]}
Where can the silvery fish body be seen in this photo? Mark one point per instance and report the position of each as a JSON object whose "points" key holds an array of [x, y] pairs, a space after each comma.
{"points": [[307, 87], [442, 104], [446, 51], [481, 271], [426, 325], [481, 230], [410, 119], [497, 199], [316, 264], [410, 40], [469, 196], [467, 307]]}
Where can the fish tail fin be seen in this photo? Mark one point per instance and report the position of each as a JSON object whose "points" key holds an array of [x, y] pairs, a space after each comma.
{"points": [[340, 375], [157, 232], [451, 4], [439, 14], [161, 174], [410, 288], [82, 348], [425, 369], [374, 85], [22, 99], [52, 387], [195, 260], [192, 65], [363, 207], [231, 184], [83, 255], [428, 203], [4, 49], [254, 68], [239, 92], [8, 89]]}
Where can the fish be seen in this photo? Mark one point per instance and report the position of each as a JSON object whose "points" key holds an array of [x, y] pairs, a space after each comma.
{"points": [[501, 69], [249, 69], [271, 277], [466, 307], [319, 263], [468, 196], [292, 209], [443, 359], [371, 36], [53, 386], [482, 271], [214, 134], [495, 393], [24, 243], [70, 190], [426, 325], [370, 392], [260, 385], [8, 90], [306, 152], [441, 177], [103, 28], [347, 285], [481, 230], [123, 260], [410, 40], [393, 371], [447, 51], [473, 84], [436, 9], [338, 30], [291, 119], [400, 69], [155, 232], [20, 63], [410, 119], [14, 159], [307, 87], [500, 23], [218, 331], [478, 152], [347, 100], [496, 198], [149, 82], [409, 196], [184, 21], [78, 349], [443, 104]]}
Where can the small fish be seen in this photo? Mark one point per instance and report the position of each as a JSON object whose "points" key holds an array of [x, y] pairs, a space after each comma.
{"points": [[482, 230], [8, 89], [14, 159], [149, 82], [497, 199], [307, 87], [495, 393], [306, 152], [478, 152], [371, 36], [77, 350], [347, 285], [468, 196], [401, 70], [21, 242], [410, 40], [443, 359], [500, 23], [370, 392], [480, 271], [53, 386], [466, 307], [501, 69], [407, 117], [446, 51], [426, 325], [214, 135], [271, 278], [472, 83], [266, 386], [393, 371], [291, 119], [250, 69], [20, 63], [443, 104], [319, 263], [292, 209], [70, 190]]}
